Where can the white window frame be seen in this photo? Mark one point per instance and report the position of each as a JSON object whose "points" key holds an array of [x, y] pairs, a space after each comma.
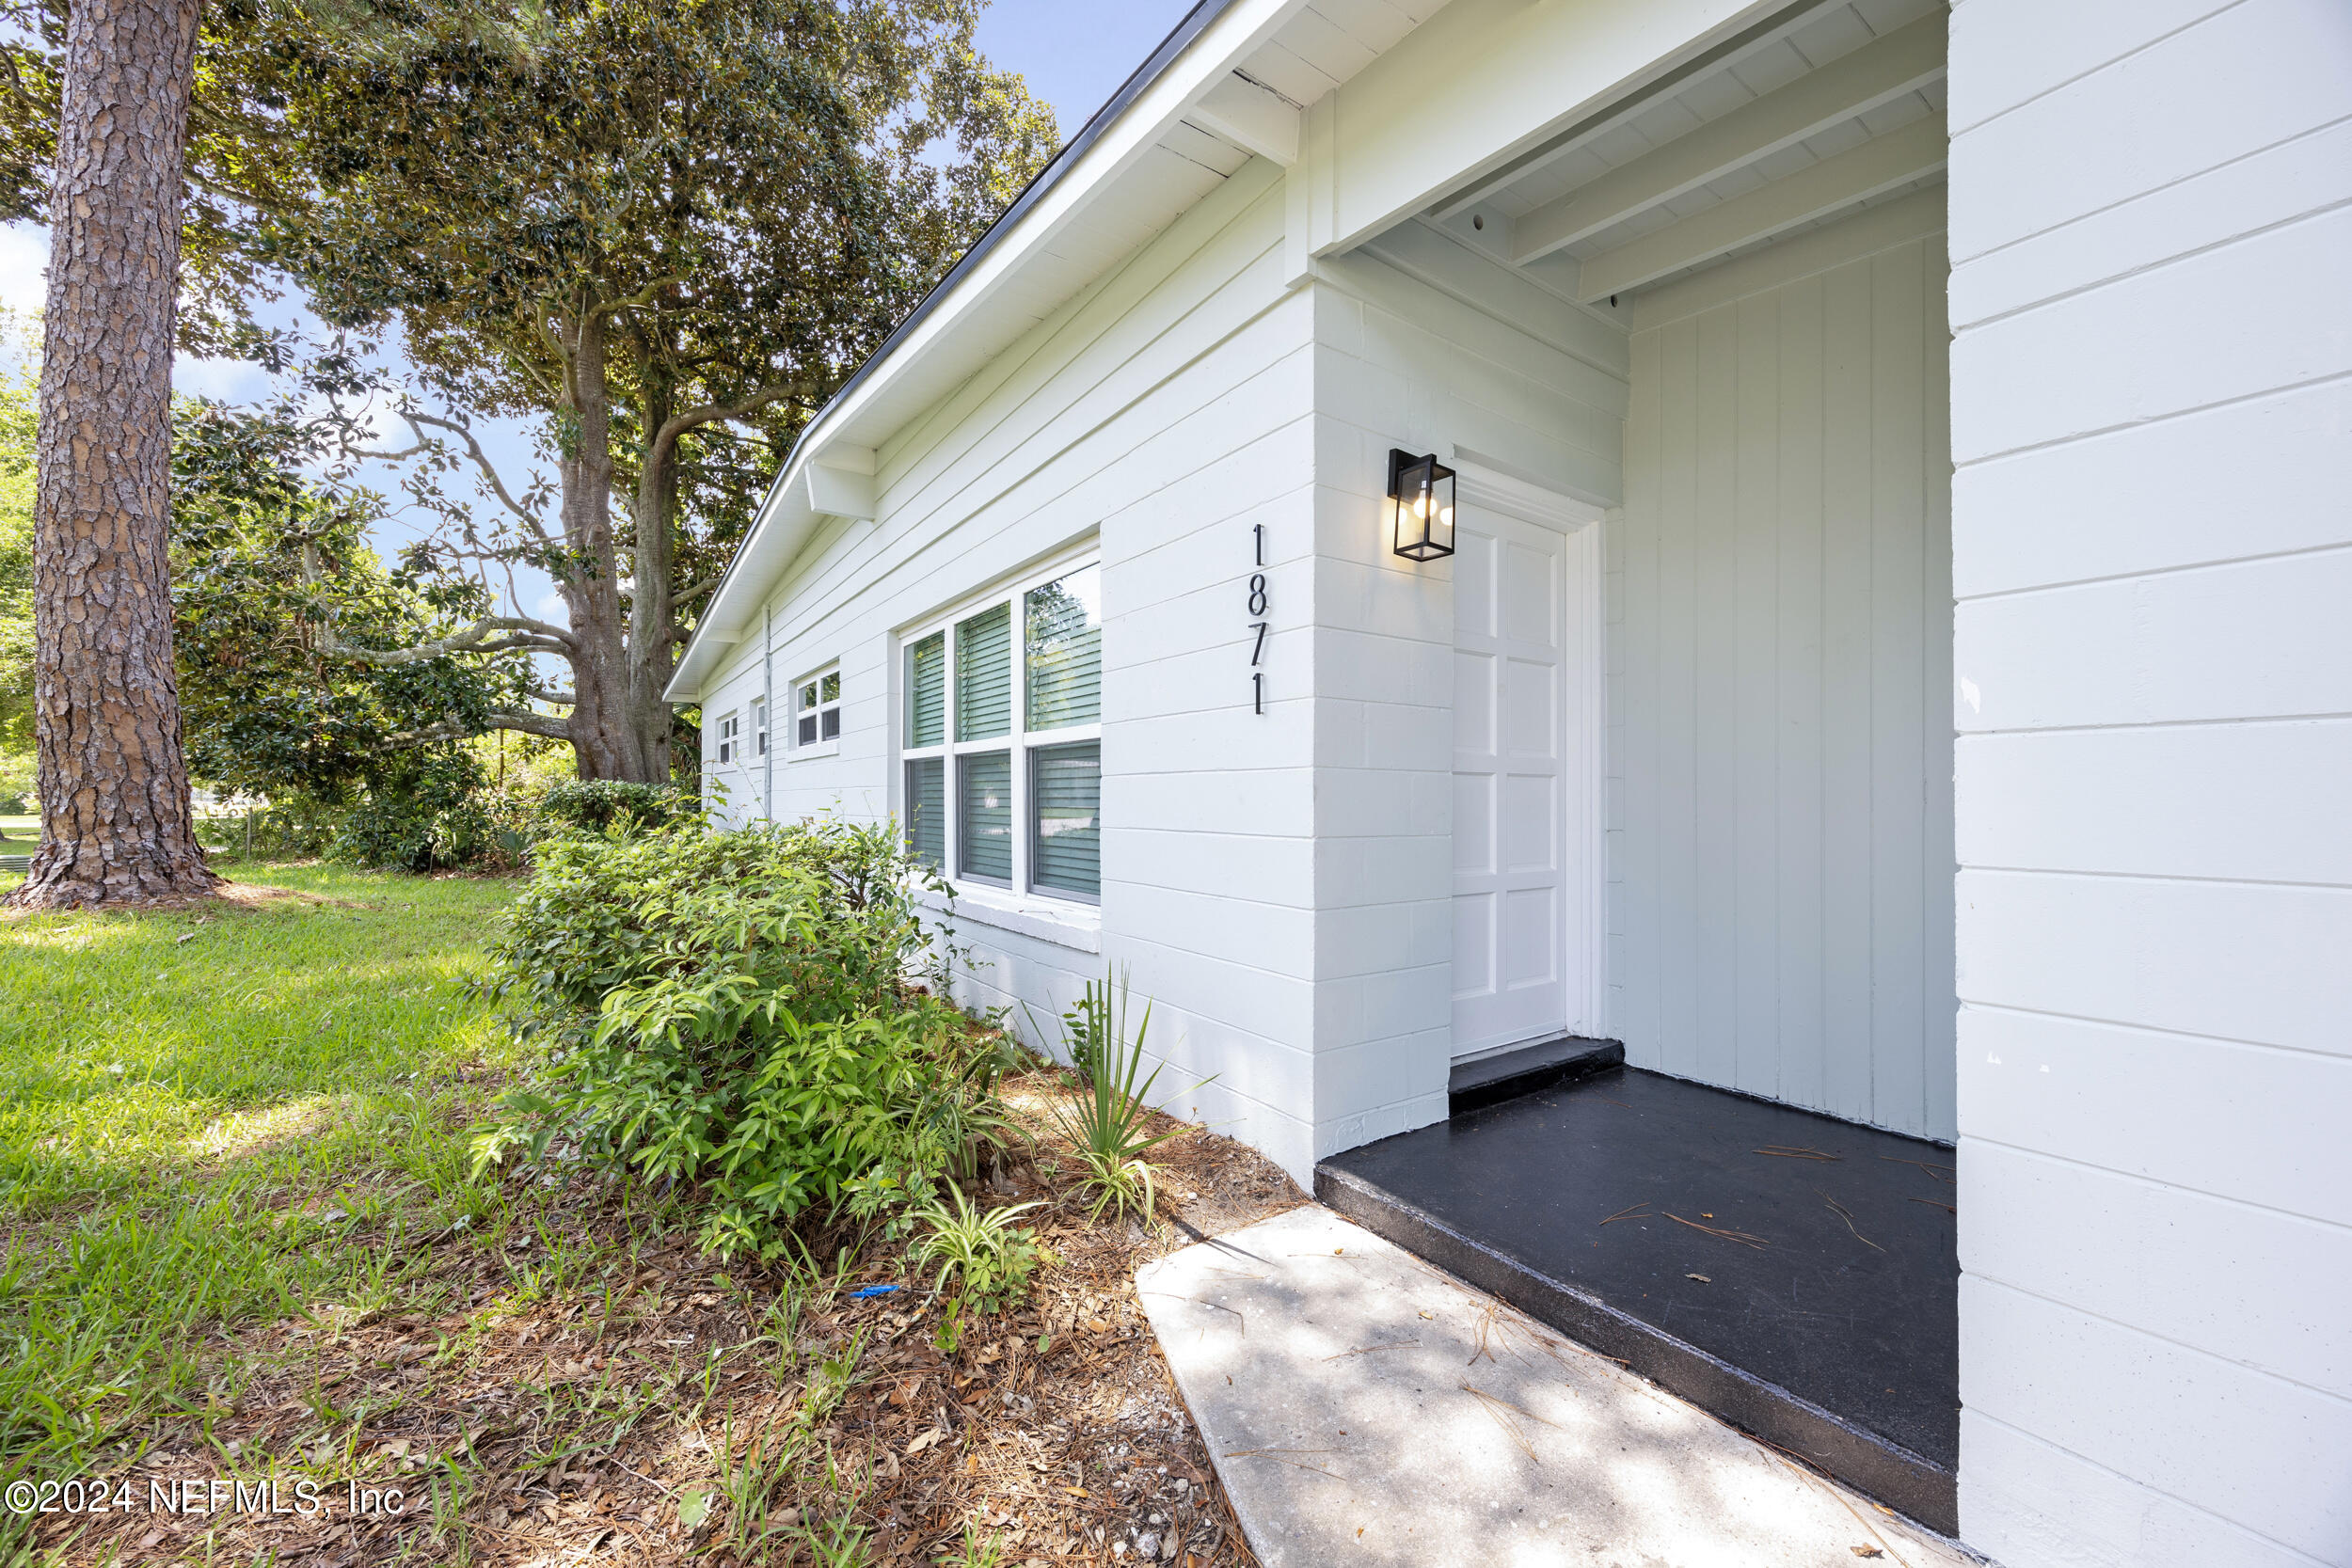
{"points": [[730, 730], [1021, 741], [821, 747], [759, 727]]}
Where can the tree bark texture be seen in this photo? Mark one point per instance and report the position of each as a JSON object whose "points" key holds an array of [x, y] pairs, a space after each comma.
{"points": [[117, 825], [608, 741]]}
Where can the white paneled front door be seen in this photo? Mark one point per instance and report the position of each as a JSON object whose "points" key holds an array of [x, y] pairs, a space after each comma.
{"points": [[1522, 787]]}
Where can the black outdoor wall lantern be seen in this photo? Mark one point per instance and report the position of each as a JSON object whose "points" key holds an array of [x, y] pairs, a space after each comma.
{"points": [[1421, 506]]}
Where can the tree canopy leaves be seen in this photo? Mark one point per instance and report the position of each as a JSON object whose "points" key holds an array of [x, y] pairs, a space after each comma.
{"points": [[667, 229]]}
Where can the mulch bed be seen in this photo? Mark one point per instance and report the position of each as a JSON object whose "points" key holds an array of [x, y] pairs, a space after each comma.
{"points": [[566, 1424]]}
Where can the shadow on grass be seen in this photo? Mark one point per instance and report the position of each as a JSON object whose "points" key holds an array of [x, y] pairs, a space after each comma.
{"points": [[210, 1118]]}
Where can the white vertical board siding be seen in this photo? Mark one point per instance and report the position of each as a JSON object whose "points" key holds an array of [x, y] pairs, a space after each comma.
{"points": [[1159, 416], [2153, 435], [1421, 344], [1781, 838]]}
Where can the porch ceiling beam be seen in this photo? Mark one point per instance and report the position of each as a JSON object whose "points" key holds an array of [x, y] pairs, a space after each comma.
{"points": [[1878, 166], [1254, 119], [1877, 72], [1759, 34]]}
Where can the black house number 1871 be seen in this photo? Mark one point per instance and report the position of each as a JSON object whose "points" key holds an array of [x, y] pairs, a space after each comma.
{"points": [[1257, 624]]}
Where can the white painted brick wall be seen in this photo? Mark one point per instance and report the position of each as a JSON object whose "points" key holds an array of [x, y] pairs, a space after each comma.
{"points": [[2152, 232]]}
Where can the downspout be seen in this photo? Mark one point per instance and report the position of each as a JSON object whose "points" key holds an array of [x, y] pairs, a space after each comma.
{"points": [[768, 697]]}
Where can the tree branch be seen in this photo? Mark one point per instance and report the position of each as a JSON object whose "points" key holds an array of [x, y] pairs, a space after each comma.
{"points": [[638, 300], [685, 420], [532, 723], [527, 723], [686, 595], [491, 634], [482, 461]]}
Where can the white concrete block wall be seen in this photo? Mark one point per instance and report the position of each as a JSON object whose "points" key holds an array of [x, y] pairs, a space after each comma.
{"points": [[1158, 417], [1422, 343], [1781, 833], [2150, 236]]}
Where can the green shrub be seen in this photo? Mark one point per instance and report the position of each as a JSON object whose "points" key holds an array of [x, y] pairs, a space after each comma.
{"points": [[596, 805], [731, 1009], [425, 813], [988, 1257]]}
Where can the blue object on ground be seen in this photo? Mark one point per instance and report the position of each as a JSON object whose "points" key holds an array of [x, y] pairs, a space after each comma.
{"points": [[865, 1290]]}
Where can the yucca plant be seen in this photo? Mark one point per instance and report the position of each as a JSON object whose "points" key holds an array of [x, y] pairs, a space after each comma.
{"points": [[1107, 1127]]}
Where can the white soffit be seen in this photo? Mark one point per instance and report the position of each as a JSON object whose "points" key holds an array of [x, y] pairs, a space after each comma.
{"points": [[1836, 107], [1234, 92]]}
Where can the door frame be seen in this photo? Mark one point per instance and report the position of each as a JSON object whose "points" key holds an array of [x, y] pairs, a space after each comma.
{"points": [[1484, 484]]}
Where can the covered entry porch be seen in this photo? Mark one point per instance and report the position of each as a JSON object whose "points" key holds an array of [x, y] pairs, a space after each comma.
{"points": [[1701, 785]]}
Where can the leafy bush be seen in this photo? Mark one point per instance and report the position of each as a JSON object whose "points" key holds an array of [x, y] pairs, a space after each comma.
{"points": [[427, 812], [731, 1010], [596, 805]]}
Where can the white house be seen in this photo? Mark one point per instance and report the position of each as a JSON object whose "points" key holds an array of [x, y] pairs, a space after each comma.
{"points": [[1895, 657]]}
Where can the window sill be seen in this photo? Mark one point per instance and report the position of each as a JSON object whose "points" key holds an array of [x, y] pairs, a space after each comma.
{"points": [[810, 752], [1075, 925]]}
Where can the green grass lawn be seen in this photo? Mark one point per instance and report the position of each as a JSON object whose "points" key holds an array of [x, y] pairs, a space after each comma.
{"points": [[241, 1242], [196, 1109]]}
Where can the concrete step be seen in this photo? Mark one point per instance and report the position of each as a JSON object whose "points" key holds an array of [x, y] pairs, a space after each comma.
{"points": [[1524, 1069], [1363, 1408]]}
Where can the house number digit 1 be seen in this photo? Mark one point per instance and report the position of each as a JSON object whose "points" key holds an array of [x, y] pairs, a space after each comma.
{"points": [[1257, 607]]}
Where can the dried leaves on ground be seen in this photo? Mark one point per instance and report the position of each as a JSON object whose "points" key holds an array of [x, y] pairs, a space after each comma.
{"points": [[592, 1391]]}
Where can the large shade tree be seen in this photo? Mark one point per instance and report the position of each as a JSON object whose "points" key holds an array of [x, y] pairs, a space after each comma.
{"points": [[117, 824], [668, 229]]}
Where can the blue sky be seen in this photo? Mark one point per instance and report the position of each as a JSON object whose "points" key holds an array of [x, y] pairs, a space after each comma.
{"points": [[1073, 54]]}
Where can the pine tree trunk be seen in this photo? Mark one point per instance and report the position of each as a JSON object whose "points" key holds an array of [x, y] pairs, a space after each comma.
{"points": [[116, 821]]}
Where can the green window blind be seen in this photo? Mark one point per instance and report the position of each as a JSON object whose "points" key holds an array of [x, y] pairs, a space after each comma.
{"points": [[984, 815], [926, 690], [927, 811], [984, 675], [1065, 651], [1066, 797]]}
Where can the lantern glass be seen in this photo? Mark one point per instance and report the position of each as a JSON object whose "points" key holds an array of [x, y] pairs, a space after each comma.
{"points": [[1420, 507]]}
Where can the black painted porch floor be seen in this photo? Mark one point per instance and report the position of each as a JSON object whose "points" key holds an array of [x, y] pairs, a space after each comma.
{"points": [[1837, 1338]]}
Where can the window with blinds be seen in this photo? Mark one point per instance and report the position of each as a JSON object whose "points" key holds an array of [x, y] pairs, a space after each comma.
{"points": [[984, 675], [927, 692], [984, 816], [1064, 640], [927, 811], [1002, 740], [1066, 852]]}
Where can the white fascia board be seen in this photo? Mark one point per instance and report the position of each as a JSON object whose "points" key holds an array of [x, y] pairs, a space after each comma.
{"points": [[787, 518]]}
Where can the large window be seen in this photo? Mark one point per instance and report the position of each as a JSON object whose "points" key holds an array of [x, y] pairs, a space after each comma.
{"points": [[1003, 738]]}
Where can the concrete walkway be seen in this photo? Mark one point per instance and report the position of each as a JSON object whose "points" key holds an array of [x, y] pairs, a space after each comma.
{"points": [[1364, 1408]]}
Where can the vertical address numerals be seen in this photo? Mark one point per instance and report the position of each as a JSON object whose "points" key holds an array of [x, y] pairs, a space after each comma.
{"points": [[1257, 603]]}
